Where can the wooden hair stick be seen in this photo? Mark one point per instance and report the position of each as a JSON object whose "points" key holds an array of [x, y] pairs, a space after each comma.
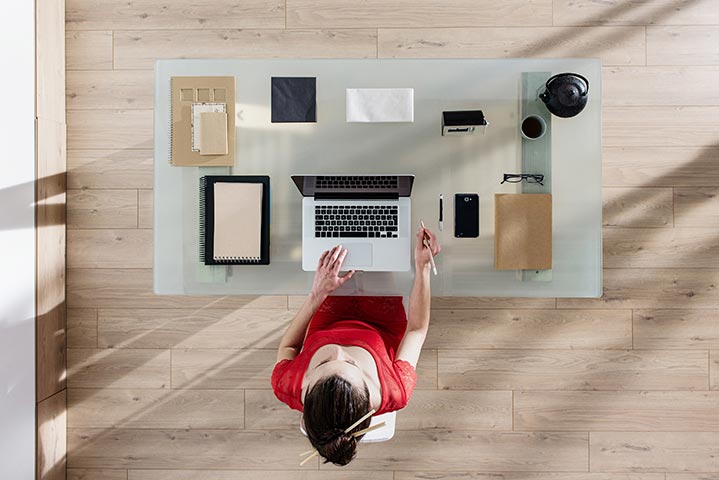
{"points": [[368, 414], [368, 429]]}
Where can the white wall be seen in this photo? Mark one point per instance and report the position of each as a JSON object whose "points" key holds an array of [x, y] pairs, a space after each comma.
{"points": [[17, 241]]}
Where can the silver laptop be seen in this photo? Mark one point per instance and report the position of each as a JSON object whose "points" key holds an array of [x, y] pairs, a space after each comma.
{"points": [[368, 214]]}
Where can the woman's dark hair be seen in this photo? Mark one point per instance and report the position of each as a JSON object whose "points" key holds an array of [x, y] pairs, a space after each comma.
{"points": [[330, 407]]}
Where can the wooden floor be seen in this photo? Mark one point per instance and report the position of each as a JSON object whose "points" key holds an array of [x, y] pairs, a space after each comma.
{"points": [[621, 388]]}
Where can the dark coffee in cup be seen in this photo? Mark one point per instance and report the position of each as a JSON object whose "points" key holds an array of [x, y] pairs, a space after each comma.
{"points": [[533, 127]]}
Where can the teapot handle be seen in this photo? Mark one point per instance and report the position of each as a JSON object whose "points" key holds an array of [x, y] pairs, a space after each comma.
{"points": [[586, 82]]}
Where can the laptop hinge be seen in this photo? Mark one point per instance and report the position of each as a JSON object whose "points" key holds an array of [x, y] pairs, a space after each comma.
{"points": [[357, 196]]}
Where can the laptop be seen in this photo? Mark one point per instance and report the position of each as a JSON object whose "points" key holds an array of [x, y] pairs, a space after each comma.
{"points": [[368, 214]]}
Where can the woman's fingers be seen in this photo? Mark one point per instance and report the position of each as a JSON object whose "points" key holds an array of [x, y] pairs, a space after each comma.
{"points": [[347, 276], [338, 264], [323, 258], [334, 255]]}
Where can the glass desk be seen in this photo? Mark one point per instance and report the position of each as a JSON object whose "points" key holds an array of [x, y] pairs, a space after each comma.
{"points": [[571, 159]]}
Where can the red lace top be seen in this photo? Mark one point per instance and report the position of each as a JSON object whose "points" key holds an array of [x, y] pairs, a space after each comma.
{"points": [[376, 324]]}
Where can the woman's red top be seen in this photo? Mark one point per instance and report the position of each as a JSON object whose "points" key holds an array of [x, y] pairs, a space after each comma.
{"points": [[376, 324]]}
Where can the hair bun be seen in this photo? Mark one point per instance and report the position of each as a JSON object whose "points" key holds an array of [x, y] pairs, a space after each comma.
{"points": [[339, 448]]}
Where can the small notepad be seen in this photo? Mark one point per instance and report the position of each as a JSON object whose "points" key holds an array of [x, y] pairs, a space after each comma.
{"points": [[238, 222], [235, 220]]}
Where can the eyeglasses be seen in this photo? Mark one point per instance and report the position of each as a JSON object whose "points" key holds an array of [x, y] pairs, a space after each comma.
{"points": [[520, 177]]}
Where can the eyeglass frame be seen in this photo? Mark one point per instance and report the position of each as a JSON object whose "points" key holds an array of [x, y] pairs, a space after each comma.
{"points": [[537, 177]]}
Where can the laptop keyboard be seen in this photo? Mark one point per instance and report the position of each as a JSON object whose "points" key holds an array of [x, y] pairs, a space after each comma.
{"points": [[383, 182], [356, 221]]}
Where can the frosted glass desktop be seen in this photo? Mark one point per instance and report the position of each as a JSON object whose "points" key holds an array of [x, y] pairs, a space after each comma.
{"points": [[447, 165]]}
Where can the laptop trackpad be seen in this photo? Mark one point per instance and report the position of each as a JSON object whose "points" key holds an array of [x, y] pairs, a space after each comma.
{"points": [[358, 255]]}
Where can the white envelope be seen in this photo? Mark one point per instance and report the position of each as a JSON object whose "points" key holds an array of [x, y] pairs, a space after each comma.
{"points": [[380, 104]]}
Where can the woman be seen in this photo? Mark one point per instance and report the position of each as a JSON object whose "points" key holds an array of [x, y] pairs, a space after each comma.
{"points": [[341, 357]]}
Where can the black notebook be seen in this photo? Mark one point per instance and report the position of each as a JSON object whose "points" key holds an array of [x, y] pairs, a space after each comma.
{"points": [[235, 220]]}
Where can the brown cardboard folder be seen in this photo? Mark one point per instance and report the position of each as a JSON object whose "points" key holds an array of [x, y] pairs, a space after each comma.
{"points": [[186, 91], [522, 231]]}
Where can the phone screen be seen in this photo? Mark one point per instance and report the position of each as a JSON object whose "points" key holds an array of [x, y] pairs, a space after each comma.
{"points": [[466, 215]]}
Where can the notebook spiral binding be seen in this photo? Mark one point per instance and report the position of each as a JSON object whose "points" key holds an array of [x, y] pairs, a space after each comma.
{"points": [[237, 259], [169, 150], [203, 186]]}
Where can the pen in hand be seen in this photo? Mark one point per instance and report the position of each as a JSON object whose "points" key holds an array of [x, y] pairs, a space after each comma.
{"points": [[426, 244]]}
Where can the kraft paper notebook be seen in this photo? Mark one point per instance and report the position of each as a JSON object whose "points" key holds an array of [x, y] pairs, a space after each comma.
{"points": [[235, 220], [192, 99], [522, 231]]}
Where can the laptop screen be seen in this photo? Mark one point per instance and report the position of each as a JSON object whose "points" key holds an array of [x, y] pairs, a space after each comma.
{"points": [[354, 186]]}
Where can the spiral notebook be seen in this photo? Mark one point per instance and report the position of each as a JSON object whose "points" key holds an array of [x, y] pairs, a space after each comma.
{"points": [[235, 220]]}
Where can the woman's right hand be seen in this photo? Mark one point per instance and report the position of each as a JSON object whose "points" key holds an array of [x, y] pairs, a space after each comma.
{"points": [[422, 253], [327, 278]]}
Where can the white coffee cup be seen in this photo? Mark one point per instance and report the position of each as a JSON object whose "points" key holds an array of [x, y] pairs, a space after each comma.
{"points": [[533, 127]]}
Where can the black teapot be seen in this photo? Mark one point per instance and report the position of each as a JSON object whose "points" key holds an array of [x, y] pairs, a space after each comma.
{"points": [[565, 94]]}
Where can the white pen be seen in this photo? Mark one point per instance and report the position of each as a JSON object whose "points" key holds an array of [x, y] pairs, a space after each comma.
{"points": [[426, 244]]}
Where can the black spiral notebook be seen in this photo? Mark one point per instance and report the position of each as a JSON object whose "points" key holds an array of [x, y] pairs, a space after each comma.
{"points": [[235, 220]]}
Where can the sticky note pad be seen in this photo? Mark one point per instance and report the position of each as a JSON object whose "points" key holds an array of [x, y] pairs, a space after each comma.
{"points": [[213, 133], [294, 99], [380, 104]]}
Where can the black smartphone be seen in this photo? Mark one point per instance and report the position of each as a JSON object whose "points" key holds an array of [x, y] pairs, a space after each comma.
{"points": [[466, 215]]}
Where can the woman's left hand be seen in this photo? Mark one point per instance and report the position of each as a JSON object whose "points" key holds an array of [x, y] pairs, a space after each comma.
{"points": [[327, 278]]}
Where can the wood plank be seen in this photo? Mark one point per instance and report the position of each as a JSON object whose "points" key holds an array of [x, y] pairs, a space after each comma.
{"points": [[101, 209], [109, 169], [144, 214], [50, 221], [110, 368], [96, 474], [658, 452], [102, 129], [692, 476], [613, 45], [263, 411], [500, 451], [696, 207], [660, 166], [139, 49], [50, 332], [222, 368], [179, 14], [155, 408], [682, 45], [132, 288], [50, 62], [638, 12], [661, 248], [714, 369], [653, 288], [626, 86], [116, 248], [637, 207], [416, 13], [296, 301], [529, 329], [109, 90], [207, 328], [192, 449], [427, 370], [457, 410], [613, 411], [51, 440], [659, 126], [448, 475], [82, 328], [573, 370], [676, 329], [254, 474], [90, 50]]}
